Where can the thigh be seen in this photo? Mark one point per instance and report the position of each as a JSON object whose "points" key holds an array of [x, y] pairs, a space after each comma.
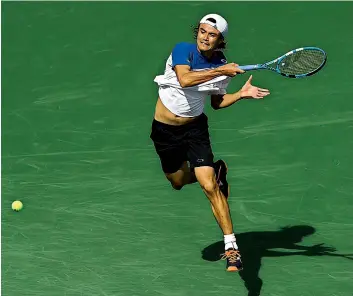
{"points": [[171, 152], [199, 150]]}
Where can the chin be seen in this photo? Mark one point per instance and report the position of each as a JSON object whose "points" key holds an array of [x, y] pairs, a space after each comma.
{"points": [[205, 47], [202, 47]]}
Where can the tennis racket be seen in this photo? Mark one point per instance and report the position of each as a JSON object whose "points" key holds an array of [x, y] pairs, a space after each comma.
{"points": [[297, 63]]}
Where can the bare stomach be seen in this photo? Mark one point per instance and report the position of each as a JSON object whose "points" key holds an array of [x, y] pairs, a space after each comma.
{"points": [[162, 114]]}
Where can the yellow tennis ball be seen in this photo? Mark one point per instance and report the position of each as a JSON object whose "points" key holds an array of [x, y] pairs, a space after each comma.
{"points": [[17, 205]]}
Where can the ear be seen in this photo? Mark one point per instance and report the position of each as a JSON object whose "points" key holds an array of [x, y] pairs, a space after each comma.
{"points": [[218, 43]]}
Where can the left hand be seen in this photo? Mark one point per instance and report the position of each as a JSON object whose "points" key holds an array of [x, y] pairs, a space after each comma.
{"points": [[250, 91]]}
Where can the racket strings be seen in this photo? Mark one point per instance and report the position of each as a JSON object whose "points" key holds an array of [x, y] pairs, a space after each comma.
{"points": [[302, 62]]}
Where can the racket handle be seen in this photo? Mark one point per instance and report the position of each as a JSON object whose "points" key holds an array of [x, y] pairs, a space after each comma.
{"points": [[249, 67]]}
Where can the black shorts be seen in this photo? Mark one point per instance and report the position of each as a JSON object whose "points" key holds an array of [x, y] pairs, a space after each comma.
{"points": [[177, 144]]}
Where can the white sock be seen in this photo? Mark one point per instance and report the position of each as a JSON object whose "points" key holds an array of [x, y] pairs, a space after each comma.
{"points": [[230, 241]]}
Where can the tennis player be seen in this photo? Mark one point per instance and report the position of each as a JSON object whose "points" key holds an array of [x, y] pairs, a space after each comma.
{"points": [[180, 127]]}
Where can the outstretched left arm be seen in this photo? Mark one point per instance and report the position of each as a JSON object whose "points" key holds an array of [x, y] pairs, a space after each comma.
{"points": [[223, 101], [247, 91]]}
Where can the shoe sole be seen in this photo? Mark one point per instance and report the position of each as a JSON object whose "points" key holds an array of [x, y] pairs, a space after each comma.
{"points": [[233, 269]]}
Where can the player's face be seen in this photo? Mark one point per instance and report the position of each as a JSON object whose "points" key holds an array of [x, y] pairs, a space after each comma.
{"points": [[208, 38]]}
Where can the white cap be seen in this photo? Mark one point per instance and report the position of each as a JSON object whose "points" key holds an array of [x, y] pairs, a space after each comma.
{"points": [[221, 24]]}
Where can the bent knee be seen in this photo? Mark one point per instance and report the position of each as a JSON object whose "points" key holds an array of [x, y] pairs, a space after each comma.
{"points": [[177, 187], [176, 184], [210, 187]]}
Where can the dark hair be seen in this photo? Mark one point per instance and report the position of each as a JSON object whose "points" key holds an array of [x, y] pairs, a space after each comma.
{"points": [[221, 46]]}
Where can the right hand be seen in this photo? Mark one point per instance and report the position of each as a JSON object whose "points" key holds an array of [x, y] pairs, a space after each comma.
{"points": [[230, 69]]}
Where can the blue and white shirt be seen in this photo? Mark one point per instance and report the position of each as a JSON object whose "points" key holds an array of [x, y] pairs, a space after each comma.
{"points": [[189, 102]]}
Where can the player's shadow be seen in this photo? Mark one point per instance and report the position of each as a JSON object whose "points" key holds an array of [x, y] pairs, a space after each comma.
{"points": [[256, 245]]}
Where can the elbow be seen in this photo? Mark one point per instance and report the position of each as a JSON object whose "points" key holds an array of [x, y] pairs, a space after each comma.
{"points": [[215, 106], [216, 102], [184, 82]]}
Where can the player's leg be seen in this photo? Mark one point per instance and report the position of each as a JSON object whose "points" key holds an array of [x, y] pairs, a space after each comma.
{"points": [[201, 157], [206, 177]]}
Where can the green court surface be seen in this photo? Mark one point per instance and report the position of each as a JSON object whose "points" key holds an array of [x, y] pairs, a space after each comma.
{"points": [[100, 218]]}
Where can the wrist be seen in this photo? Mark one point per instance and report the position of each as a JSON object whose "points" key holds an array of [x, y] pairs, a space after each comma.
{"points": [[237, 96], [241, 94]]}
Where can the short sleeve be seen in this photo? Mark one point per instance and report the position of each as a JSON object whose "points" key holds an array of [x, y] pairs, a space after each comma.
{"points": [[181, 55]]}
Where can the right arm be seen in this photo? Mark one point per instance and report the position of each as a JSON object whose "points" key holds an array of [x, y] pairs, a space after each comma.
{"points": [[188, 78]]}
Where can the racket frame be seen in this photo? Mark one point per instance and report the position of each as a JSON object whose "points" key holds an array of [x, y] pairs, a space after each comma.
{"points": [[279, 59]]}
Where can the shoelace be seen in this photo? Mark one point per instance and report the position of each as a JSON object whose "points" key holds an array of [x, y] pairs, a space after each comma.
{"points": [[232, 256]]}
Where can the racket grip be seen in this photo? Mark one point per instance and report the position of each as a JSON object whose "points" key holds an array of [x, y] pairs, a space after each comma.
{"points": [[249, 67]]}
